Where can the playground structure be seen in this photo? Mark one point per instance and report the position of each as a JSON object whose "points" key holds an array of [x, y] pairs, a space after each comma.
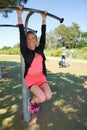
{"points": [[26, 94]]}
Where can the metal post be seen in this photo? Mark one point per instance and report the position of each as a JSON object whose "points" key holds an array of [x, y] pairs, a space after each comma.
{"points": [[0, 72], [26, 94]]}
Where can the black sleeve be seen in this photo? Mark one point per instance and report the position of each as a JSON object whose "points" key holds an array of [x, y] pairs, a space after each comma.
{"points": [[23, 45], [42, 38]]}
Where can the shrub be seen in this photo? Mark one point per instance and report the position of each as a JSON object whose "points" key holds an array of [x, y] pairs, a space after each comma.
{"points": [[11, 51], [81, 44]]}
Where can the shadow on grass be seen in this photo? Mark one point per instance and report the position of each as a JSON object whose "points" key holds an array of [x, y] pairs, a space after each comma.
{"points": [[67, 110]]}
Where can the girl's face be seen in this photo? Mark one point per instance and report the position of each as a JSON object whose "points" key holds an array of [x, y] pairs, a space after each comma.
{"points": [[31, 41]]}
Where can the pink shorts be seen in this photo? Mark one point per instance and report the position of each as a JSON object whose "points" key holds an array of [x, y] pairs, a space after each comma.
{"points": [[30, 80]]}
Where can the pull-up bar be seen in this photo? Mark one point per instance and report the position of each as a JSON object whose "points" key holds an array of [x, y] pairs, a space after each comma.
{"points": [[16, 26], [33, 10]]}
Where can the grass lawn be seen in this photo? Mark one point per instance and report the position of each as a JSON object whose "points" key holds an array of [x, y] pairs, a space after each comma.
{"points": [[66, 111]]}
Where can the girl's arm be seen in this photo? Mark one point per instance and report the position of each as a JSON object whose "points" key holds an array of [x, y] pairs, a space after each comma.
{"points": [[43, 32], [23, 44]]}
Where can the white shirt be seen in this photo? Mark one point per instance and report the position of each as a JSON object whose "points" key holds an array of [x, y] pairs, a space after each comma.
{"points": [[63, 52]]}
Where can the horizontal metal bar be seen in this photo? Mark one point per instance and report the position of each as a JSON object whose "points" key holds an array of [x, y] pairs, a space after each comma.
{"points": [[31, 9], [7, 25]]}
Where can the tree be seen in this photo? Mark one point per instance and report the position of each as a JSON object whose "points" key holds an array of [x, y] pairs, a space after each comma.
{"points": [[5, 48], [84, 36], [17, 45], [81, 43], [63, 32], [68, 35], [75, 33], [9, 3], [5, 3], [51, 40]]}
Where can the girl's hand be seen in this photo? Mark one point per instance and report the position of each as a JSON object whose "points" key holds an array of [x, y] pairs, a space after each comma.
{"points": [[19, 12], [44, 15]]}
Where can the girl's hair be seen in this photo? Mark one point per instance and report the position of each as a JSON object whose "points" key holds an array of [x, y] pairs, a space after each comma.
{"points": [[31, 32]]}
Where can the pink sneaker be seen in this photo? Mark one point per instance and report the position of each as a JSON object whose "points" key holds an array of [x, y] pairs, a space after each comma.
{"points": [[36, 107], [30, 107]]}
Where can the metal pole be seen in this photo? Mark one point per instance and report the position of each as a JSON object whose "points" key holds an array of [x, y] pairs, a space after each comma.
{"points": [[26, 94], [16, 26]]}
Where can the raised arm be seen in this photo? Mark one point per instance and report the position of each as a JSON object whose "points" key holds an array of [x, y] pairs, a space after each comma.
{"points": [[23, 44], [43, 31]]}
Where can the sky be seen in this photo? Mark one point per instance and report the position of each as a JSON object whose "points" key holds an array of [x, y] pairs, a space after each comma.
{"points": [[70, 10]]}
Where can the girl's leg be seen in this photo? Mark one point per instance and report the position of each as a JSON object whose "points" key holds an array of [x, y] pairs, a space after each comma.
{"points": [[46, 89], [40, 96]]}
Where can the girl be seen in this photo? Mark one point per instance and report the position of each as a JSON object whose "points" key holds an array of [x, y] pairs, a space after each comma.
{"points": [[35, 70]]}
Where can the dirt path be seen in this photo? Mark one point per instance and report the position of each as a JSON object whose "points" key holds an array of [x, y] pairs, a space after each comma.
{"points": [[73, 60]]}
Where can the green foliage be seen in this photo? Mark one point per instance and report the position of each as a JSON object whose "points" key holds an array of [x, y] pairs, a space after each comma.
{"points": [[50, 51], [53, 52], [6, 48], [8, 3], [84, 34], [11, 2], [56, 53], [17, 45], [80, 53], [81, 43], [11, 51], [62, 32], [68, 35], [77, 53], [51, 40]]}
